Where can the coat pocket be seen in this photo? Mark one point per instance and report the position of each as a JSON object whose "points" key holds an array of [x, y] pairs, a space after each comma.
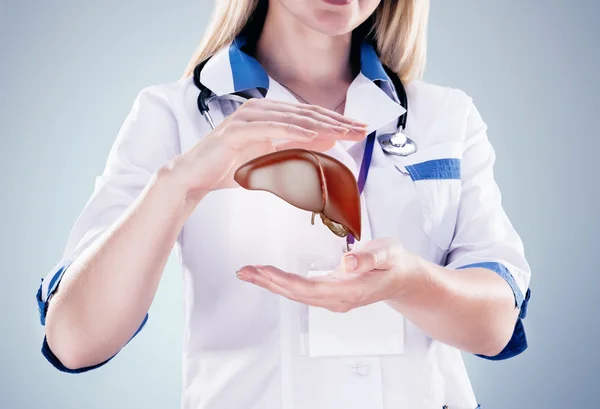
{"points": [[436, 174]]}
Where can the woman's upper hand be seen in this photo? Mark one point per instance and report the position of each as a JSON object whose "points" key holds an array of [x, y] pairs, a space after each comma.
{"points": [[380, 271], [259, 127]]}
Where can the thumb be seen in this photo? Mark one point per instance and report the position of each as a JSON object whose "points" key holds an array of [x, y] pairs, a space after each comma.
{"points": [[363, 260]]}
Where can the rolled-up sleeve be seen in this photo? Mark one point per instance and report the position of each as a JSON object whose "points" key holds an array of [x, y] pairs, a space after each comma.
{"points": [[484, 236], [147, 140]]}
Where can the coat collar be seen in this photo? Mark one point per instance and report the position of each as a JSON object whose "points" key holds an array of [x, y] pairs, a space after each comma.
{"points": [[232, 70]]}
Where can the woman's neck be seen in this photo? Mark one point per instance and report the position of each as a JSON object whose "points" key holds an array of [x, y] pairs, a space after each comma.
{"points": [[301, 58]]}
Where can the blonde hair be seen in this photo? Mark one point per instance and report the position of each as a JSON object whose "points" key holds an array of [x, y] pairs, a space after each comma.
{"points": [[399, 31]]}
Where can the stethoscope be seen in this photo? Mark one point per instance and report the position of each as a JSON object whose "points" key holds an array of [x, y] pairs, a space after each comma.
{"points": [[393, 143]]}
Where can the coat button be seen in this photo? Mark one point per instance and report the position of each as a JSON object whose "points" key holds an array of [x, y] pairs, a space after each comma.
{"points": [[361, 370]]}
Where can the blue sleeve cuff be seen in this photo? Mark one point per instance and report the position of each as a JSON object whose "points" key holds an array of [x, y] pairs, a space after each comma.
{"points": [[518, 341], [503, 272], [55, 362], [43, 295], [42, 298]]}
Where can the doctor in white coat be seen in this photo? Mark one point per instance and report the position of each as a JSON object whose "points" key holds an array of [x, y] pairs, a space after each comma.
{"points": [[437, 250]]}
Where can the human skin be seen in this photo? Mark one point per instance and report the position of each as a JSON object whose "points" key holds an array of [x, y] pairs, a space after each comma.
{"points": [[471, 309], [105, 294]]}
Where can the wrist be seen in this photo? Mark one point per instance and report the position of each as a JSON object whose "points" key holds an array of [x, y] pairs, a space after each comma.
{"points": [[417, 284], [172, 180]]}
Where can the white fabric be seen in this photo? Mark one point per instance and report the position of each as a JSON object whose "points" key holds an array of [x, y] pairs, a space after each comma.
{"points": [[233, 349], [355, 333]]}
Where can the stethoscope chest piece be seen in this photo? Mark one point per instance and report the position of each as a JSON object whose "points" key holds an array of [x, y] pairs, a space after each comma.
{"points": [[397, 144]]}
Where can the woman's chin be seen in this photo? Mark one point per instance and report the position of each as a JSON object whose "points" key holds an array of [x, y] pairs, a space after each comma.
{"points": [[335, 23]]}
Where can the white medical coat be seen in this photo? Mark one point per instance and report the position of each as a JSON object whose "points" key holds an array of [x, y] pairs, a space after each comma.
{"points": [[441, 203]]}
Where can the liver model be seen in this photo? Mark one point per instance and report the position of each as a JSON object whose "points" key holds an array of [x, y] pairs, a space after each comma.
{"points": [[311, 181]]}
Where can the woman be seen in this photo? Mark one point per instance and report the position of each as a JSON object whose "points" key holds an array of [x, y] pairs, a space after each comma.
{"points": [[437, 247]]}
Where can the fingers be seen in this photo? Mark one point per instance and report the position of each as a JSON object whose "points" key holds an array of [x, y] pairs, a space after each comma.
{"points": [[258, 277], [323, 288], [327, 123], [240, 135], [360, 261], [365, 276], [297, 288], [322, 124], [298, 107], [319, 145], [312, 115]]}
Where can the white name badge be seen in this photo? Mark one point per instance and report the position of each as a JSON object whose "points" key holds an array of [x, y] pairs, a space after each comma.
{"points": [[372, 330], [375, 329]]}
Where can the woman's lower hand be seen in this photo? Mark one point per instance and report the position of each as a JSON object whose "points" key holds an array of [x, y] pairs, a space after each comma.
{"points": [[259, 127], [382, 270]]}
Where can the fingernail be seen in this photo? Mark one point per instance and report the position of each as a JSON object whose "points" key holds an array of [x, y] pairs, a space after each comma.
{"points": [[310, 134], [359, 130], [350, 262], [243, 276], [261, 272], [357, 122], [339, 129]]}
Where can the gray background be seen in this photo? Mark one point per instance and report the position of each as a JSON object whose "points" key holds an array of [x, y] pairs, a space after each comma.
{"points": [[70, 71]]}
